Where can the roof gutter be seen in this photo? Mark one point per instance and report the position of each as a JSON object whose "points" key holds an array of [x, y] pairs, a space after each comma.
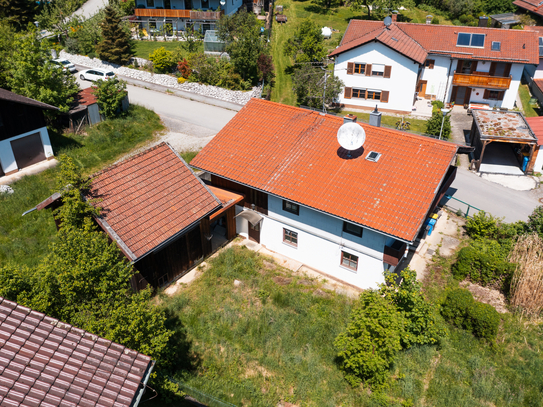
{"points": [[146, 377]]}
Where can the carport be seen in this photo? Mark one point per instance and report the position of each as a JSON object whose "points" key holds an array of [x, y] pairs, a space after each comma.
{"points": [[504, 143]]}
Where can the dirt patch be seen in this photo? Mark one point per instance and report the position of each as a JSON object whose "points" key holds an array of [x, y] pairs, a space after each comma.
{"points": [[319, 293], [487, 295], [268, 265], [305, 282], [281, 280], [255, 370]]}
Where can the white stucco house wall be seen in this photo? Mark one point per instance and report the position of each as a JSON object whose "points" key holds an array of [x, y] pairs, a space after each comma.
{"points": [[24, 139], [452, 64], [350, 215]]}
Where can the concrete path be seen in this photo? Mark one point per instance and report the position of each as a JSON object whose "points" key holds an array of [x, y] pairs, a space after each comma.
{"points": [[33, 169], [460, 128]]}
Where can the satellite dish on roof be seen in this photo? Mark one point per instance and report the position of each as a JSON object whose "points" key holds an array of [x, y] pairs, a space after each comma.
{"points": [[351, 136], [223, 3], [388, 21]]}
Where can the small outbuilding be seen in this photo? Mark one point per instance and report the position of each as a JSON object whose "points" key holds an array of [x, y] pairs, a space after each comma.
{"points": [[504, 143]]}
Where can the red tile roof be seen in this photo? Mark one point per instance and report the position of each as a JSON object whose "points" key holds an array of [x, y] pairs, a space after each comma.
{"points": [[149, 198], [534, 6], [294, 154], [536, 124], [45, 362], [86, 97], [516, 45], [534, 28]]}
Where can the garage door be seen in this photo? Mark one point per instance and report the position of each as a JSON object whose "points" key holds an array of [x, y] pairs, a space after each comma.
{"points": [[28, 150]]}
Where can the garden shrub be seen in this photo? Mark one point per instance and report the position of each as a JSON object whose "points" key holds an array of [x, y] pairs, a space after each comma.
{"points": [[437, 105], [162, 59], [484, 261], [455, 308], [181, 80], [485, 320], [535, 221], [184, 68], [367, 348], [482, 225], [215, 72], [433, 125]]}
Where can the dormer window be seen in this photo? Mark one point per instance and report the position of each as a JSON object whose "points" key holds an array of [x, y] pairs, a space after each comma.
{"points": [[470, 40], [497, 46]]}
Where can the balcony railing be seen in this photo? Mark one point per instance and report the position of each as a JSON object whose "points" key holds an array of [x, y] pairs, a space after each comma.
{"points": [[481, 80], [393, 254], [193, 15]]}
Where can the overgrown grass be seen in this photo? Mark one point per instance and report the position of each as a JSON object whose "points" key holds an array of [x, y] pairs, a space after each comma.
{"points": [[188, 155], [525, 96], [25, 240], [142, 49]]}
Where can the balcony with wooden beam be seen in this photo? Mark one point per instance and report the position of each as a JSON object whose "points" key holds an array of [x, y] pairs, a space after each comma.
{"points": [[481, 80], [168, 13]]}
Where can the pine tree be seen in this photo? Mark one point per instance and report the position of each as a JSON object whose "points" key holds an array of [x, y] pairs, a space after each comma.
{"points": [[115, 44], [18, 12]]}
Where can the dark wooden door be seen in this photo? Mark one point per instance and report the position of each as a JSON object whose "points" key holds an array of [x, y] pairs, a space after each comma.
{"points": [[254, 232], [28, 150]]}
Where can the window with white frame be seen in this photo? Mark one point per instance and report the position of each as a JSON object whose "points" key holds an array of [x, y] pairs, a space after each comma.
{"points": [[377, 70]]}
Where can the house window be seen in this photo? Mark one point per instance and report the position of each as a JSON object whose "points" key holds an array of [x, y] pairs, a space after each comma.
{"points": [[352, 229], [290, 237], [470, 40], [494, 94], [429, 64], [374, 94], [377, 70], [150, 3], [205, 3], [291, 207], [359, 93], [349, 260], [360, 68]]}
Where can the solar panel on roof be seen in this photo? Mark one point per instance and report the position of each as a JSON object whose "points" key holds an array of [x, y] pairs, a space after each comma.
{"points": [[463, 39], [477, 40], [470, 40]]}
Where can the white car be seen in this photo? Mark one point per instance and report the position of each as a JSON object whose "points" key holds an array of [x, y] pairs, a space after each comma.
{"points": [[65, 64], [95, 74]]}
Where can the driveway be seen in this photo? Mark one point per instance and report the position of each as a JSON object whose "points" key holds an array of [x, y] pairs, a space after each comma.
{"points": [[461, 127]]}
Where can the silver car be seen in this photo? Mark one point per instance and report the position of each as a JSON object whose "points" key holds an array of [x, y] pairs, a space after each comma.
{"points": [[95, 74], [65, 64]]}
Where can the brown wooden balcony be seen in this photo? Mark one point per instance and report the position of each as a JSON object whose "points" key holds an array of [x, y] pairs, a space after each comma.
{"points": [[481, 80], [393, 254], [167, 13]]}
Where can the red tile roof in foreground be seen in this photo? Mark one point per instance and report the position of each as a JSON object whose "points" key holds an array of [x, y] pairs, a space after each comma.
{"points": [[536, 124], [45, 362], [293, 153], [150, 198], [535, 6], [520, 46]]}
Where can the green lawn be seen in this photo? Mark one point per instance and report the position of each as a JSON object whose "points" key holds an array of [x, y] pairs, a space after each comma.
{"points": [[417, 126], [525, 96], [270, 341], [142, 49], [25, 240]]}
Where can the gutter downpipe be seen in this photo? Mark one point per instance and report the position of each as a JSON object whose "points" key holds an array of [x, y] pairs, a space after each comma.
{"points": [[448, 80]]}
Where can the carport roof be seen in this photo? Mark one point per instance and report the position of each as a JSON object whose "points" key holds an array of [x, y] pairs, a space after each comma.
{"points": [[506, 126]]}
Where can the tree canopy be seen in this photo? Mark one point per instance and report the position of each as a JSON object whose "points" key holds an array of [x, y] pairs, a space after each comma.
{"points": [[312, 88], [19, 13], [307, 44]]}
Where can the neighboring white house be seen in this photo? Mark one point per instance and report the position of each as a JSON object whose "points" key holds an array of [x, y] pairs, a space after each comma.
{"points": [[391, 65], [24, 139], [177, 14], [350, 216]]}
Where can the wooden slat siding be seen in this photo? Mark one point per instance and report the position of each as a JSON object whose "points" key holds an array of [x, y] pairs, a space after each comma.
{"points": [[368, 70], [205, 231], [388, 69], [350, 68], [481, 81], [348, 93], [252, 196], [230, 223], [384, 96], [146, 12]]}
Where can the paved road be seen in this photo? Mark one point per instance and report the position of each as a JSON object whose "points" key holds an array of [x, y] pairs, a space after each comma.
{"points": [[493, 198], [90, 8]]}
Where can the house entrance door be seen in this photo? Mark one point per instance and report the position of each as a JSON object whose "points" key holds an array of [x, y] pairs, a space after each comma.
{"points": [[422, 89], [460, 95], [254, 232]]}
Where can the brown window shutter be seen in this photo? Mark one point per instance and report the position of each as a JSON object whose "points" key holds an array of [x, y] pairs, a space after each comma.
{"points": [[492, 70], [507, 71], [431, 64], [387, 71], [350, 68], [473, 67], [501, 95], [459, 66], [384, 96], [348, 93], [486, 95], [368, 69]]}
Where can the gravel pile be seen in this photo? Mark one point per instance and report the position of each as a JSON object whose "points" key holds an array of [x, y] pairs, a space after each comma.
{"points": [[233, 96]]}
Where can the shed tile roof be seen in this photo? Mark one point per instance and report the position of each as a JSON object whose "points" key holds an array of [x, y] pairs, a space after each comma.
{"points": [[516, 45], [15, 98], [535, 6], [49, 363], [294, 154], [536, 124], [149, 198]]}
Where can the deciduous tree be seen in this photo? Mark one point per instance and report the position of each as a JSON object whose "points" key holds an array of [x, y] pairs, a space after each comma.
{"points": [[307, 44], [312, 87], [109, 96], [115, 44], [57, 15]]}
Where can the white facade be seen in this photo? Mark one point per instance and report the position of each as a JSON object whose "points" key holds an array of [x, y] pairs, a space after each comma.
{"points": [[538, 166], [438, 78], [7, 159], [321, 241], [400, 85], [230, 7]]}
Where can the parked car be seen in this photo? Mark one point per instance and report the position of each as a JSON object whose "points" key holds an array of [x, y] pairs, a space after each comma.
{"points": [[95, 74], [65, 64]]}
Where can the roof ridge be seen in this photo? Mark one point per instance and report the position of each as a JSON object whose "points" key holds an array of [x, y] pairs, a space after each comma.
{"points": [[458, 26], [418, 43]]}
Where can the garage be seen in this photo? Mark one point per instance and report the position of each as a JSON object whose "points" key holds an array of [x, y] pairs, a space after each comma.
{"points": [[28, 150]]}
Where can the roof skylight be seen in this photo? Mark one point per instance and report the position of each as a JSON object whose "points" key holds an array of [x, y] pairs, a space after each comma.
{"points": [[470, 40], [373, 156], [496, 46]]}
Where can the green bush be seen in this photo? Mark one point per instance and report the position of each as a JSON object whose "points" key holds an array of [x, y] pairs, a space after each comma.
{"points": [[109, 96], [435, 20], [482, 225], [162, 59], [455, 308], [367, 348], [484, 261], [485, 320], [437, 105], [433, 125], [535, 221]]}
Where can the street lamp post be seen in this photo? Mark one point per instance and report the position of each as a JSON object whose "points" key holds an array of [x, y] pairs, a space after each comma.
{"points": [[444, 112]]}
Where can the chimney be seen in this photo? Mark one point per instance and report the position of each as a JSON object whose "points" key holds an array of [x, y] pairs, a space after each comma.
{"points": [[429, 19], [394, 17], [483, 21], [349, 118], [375, 118]]}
